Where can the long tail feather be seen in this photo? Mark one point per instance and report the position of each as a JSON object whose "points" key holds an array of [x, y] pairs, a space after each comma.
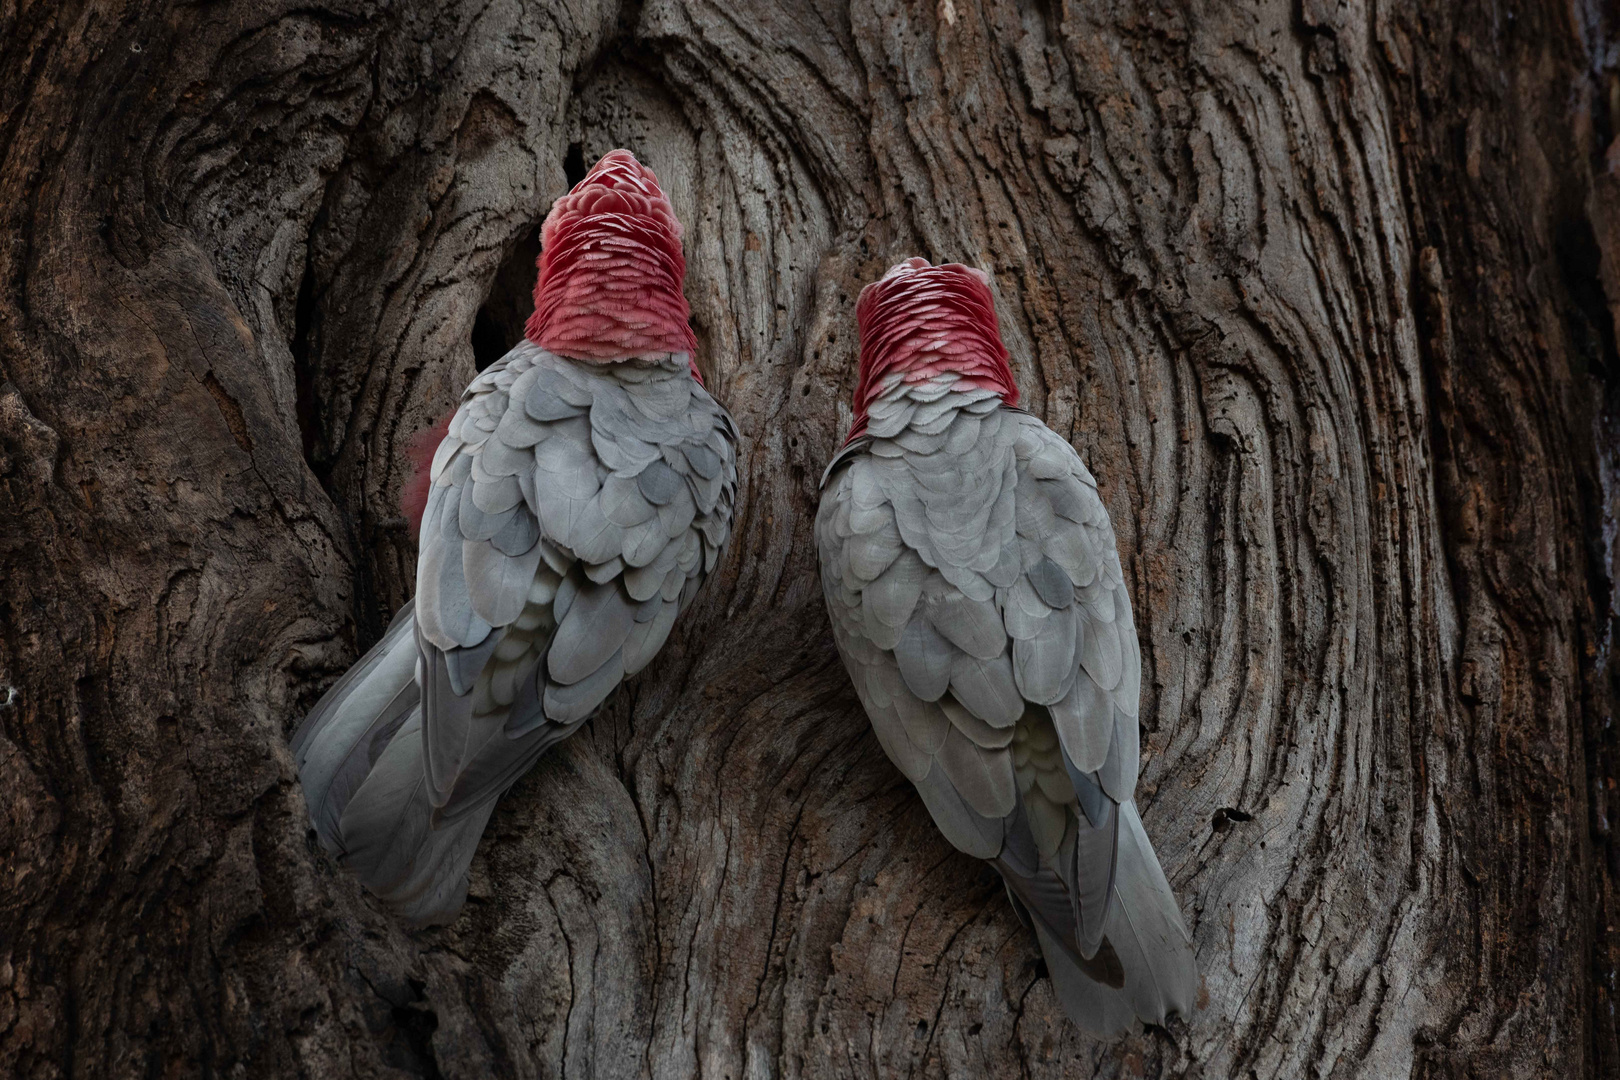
{"points": [[1094, 1006], [1144, 968], [1145, 927], [348, 728], [412, 854], [361, 762], [359, 756], [394, 843]]}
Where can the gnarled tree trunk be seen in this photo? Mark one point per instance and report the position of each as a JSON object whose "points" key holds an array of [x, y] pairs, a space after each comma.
{"points": [[1321, 292]]}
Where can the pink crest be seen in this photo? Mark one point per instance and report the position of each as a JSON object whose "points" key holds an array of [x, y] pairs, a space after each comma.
{"points": [[611, 269], [922, 320]]}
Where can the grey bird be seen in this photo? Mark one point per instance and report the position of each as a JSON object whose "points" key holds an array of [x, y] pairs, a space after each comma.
{"points": [[977, 599], [583, 491]]}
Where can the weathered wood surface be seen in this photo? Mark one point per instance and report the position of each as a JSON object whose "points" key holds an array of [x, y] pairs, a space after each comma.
{"points": [[1319, 291]]}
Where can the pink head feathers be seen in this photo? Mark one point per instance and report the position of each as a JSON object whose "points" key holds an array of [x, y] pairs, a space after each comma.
{"points": [[921, 321], [609, 288], [611, 269]]}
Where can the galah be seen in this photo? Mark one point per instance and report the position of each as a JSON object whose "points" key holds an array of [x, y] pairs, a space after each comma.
{"points": [[582, 493], [978, 603]]}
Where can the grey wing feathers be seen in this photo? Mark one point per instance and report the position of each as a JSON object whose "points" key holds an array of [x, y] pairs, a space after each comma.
{"points": [[572, 512], [979, 604]]}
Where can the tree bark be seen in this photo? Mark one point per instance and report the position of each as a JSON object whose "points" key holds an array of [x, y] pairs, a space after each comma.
{"points": [[1323, 294]]}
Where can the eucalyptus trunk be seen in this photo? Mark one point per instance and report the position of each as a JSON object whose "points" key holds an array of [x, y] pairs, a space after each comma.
{"points": [[1321, 292]]}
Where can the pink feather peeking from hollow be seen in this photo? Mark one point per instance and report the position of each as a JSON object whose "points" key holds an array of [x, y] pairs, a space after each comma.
{"points": [[413, 496], [922, 320], [609, 288]]}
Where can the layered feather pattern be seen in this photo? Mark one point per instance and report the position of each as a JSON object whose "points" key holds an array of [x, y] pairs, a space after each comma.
{"points": [[920, 321], [611, 269], [978, 602], [573, 509]]}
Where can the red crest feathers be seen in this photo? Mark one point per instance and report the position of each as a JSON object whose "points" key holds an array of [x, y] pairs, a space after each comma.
{"points": [[611, 269], [920, 321]]}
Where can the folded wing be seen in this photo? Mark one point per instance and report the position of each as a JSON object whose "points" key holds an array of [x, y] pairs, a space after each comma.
{"points": [[572, 514], [977, 598]]}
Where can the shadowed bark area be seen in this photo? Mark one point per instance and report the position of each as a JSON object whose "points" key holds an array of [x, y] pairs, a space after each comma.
{"points": [[1323, 293]]}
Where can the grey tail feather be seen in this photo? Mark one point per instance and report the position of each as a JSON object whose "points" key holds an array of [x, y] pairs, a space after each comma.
{"points": [[415, 856], [326, 710], [398, 846], [337, 744], [1093, 1006], [1144, 931], [359, 757]]}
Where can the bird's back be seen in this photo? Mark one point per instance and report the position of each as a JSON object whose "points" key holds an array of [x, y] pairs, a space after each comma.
{"points": [[573, 511], [977, 598]]}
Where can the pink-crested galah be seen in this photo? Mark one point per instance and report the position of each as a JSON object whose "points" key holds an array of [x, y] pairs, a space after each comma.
{"points": [[578, 498], [979, 606]]}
